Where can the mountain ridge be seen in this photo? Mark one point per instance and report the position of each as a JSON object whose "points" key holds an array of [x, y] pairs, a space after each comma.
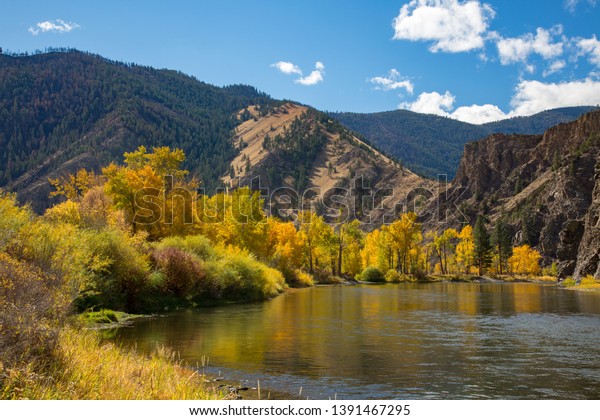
{"points": [[432, 144]]}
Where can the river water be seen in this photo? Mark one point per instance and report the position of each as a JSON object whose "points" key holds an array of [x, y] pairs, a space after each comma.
{"points": [[407, 341]]}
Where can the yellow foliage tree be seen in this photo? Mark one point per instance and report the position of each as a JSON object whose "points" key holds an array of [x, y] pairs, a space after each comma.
{"points": [[443, 246], [376, 251], [285, 245], [525, 260], [465, 249], [405, 235]]}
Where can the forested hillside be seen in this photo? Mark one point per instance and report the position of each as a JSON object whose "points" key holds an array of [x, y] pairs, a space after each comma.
{"points": [[63, 110], [432, 145]]}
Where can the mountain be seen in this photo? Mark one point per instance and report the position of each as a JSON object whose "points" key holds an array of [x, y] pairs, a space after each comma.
{"points": [[305, 158], [546, 187], [432, 145], [64, 110]]}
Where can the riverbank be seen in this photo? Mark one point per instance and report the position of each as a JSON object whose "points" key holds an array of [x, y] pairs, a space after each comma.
{"points": [[84, 368], [586, 284], [464, 278]]}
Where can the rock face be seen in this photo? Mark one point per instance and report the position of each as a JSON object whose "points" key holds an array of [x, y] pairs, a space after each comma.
{"points": [[588, 260], [546, 187]]}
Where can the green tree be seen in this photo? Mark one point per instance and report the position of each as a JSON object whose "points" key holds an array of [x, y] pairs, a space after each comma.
{"points": [[502, 243], [483, 246]]}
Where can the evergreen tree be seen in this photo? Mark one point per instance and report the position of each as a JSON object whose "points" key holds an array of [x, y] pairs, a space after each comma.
{"points": [[483, 247], [501, 240]]}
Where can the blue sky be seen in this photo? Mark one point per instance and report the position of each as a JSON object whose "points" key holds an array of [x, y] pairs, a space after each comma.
{"points": [[472, 60]]}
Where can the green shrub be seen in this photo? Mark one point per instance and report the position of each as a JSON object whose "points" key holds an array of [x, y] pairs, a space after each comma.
{"points": [[371, 275], [104, 316], [241, 277], [116, 271]]}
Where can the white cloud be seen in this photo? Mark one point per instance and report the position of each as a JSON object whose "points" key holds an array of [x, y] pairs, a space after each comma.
{"points": [[431, 103], [392, 81], [316, 76], [590, 47], [453, 26], [478, 114], [571, 5], [514, 50], [555, 67], [57, 25], [533, 96], [438, 104], [287, 68]]}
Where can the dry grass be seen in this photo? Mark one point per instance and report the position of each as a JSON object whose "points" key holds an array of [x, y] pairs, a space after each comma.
{"points": [[586, 283], [86, 369]]}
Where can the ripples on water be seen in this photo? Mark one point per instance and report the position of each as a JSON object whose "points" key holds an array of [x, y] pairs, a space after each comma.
{"points": [[397, 341]]}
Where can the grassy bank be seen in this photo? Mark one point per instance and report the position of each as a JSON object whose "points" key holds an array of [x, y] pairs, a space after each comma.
{"points": [[587, 283], [83, 368]]}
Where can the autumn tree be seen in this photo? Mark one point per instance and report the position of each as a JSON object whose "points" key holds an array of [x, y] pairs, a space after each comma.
{"points": [[465, 249], [152, 191], [376, 250], [524, 260], [405, 234], [444, 247], [350, 241]]}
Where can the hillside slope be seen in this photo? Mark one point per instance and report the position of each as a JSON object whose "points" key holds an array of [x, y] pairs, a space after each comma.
{"points": [[547, 187], [64, 110], [313, 161], [432, 145]]}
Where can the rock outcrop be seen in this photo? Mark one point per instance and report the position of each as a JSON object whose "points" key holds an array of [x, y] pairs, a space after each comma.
{"points": [[546, 187]]}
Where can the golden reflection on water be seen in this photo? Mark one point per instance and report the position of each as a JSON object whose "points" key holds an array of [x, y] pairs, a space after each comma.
{"points": [[460, 339]]}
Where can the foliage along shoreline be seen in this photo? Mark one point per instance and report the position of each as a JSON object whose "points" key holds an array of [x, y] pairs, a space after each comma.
{"points": [[102, 248]]}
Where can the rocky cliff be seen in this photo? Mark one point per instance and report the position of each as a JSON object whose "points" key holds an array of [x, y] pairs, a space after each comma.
{"points": [[547, 187]]}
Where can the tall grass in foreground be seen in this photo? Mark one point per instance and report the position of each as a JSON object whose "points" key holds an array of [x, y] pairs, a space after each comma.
{"points": [[83, 368]]}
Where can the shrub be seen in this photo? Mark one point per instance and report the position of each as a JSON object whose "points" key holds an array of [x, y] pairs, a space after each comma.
{"points": [[116, 271], [325, 277], [302, 279], [589, 280], [371, 275], [198, 245], [241, 277], [569, 282], [12, 218], [183, 272], [392, 276], [32, 309], [551, 270]]}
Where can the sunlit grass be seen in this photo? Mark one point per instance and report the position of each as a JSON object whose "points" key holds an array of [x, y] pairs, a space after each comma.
{"points": [[86, 369], [586, 283]]}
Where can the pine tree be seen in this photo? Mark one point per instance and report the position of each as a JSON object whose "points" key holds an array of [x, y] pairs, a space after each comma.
{"points": [[502, 243], [483, 247]]}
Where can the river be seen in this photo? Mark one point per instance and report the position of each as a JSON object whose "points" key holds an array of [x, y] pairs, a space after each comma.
{"points": [[407, 341]]}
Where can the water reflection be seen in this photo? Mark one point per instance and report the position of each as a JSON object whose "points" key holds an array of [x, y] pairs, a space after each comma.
{"points": [[398, 341]]}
